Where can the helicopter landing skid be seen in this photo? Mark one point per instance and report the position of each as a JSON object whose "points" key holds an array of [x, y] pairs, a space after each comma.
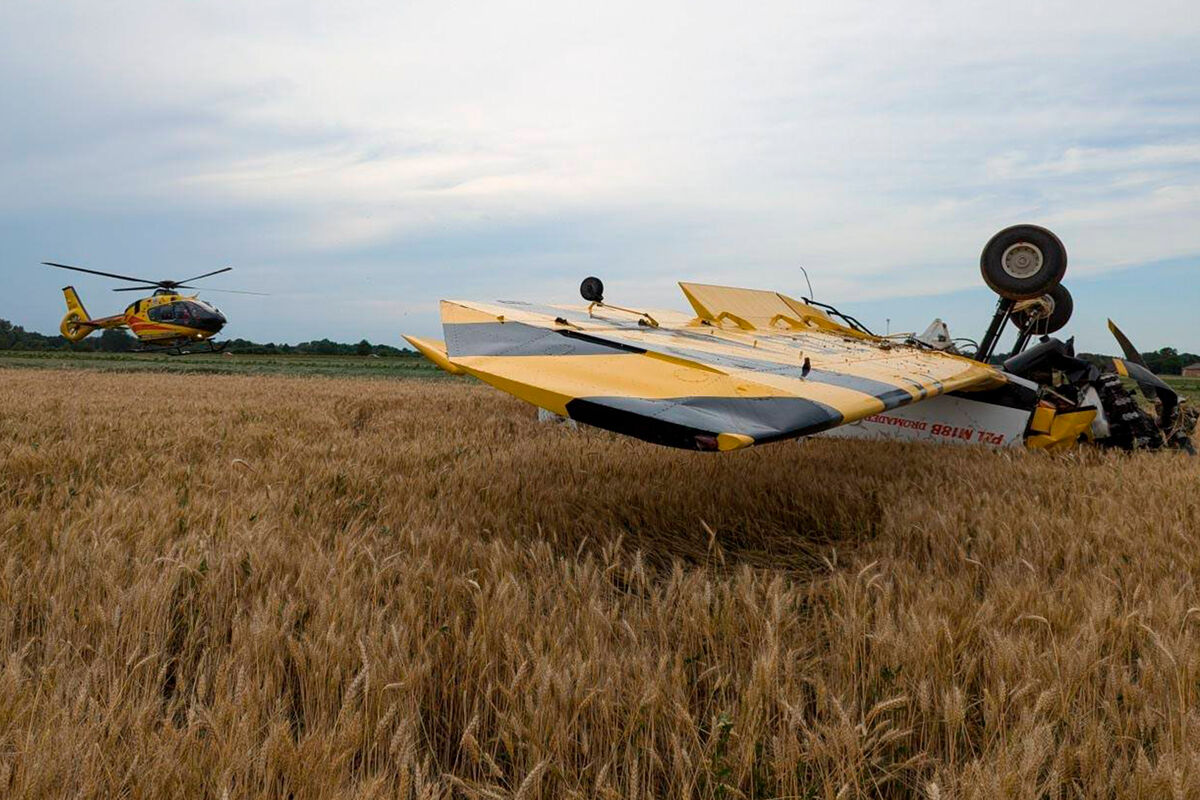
{"points": [[186, 349]]}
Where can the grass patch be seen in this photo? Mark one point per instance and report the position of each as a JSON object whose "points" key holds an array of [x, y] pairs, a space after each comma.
{"points": [[413, 366]]}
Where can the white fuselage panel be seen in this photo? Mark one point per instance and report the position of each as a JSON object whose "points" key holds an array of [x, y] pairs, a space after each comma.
{"points": [[944, 419]]}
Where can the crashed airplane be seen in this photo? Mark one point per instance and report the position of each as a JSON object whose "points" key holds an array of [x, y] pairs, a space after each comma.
{"points": [[749, 367]]}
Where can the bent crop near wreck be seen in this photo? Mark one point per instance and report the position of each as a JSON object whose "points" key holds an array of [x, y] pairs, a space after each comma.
{"points": [[311, 587]]}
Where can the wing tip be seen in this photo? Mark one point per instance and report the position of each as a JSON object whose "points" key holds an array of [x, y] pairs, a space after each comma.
{"points": [[733, 441], [435, 351]]}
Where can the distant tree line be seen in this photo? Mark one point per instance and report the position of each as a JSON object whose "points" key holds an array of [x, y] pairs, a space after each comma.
{"points": [[1167, 361], [317, 347], [14, 337]]}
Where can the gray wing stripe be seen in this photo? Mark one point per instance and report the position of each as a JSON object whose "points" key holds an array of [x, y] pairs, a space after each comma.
{"points": [[520, 339]]}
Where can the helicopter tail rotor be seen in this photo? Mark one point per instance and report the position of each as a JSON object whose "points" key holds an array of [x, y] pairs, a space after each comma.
{"points": [[74, 326]]}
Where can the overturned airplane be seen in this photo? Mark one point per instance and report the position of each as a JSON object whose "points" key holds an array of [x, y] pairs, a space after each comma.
{"points": [[749, 367]]}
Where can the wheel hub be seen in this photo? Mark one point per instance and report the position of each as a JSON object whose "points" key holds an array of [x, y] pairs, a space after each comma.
{"points": [[1022, 260]]}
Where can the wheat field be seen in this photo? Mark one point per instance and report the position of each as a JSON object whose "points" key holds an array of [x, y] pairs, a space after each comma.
{"points": [[238, 586]]}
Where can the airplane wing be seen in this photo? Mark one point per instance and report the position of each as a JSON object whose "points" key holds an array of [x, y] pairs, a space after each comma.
{"points": [[751, 367]]}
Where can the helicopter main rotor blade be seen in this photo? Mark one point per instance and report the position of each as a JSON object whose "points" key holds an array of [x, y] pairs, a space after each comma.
{"points": [[198, 277], [98, 272], [173, 287], [223, 291]]}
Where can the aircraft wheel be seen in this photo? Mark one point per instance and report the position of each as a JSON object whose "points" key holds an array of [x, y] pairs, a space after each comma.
{"points": [[592, 290], [1061, 306], [1023, 262]]}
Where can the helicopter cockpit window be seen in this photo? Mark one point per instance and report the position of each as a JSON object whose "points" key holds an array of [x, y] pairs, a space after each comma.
{"points": [[163, 313]]}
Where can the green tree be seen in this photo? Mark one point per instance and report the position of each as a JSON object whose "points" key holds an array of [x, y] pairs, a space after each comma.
{"points": [[113, 340], [8, 335], [14, 337]]}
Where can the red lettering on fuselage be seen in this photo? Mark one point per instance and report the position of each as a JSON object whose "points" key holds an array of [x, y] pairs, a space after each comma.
{"points": [[939, 430], [900, 422]]}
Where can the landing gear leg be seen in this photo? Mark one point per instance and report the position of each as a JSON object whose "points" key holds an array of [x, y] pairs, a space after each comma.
{"points": [[988, 345], [1022, 341]]}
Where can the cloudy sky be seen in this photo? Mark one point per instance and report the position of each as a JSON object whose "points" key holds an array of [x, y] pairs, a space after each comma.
{"points": [[360, 160]]}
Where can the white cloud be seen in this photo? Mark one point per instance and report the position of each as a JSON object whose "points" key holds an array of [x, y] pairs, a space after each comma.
{"points": [[879, 143]]}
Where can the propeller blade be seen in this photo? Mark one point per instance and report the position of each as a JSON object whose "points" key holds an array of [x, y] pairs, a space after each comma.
{"points": [[1132, 369], [146, 288], [1151, 385], [205, 275], [1131, 354], [98, 272]]}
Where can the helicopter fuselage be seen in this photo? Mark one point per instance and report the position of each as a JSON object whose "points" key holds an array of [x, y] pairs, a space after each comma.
{"points": [[169, 316], [165, 319]]}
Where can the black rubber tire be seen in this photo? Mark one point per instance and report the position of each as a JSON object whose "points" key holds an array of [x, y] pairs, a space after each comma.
{"points": [[592, 290], [1059, 317], [1023, 287]]}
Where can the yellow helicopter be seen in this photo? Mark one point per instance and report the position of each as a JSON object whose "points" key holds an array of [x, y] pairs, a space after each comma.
{"points": [[166, 321]]}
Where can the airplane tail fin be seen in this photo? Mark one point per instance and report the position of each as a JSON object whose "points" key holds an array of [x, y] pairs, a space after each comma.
{"points": [[72, 326]]}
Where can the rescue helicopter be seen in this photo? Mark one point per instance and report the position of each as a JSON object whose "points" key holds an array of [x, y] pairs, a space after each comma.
{"points": [[165, 322]]}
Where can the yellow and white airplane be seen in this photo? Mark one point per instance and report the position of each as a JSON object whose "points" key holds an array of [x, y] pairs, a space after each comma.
{"points": [[748, 367]]}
